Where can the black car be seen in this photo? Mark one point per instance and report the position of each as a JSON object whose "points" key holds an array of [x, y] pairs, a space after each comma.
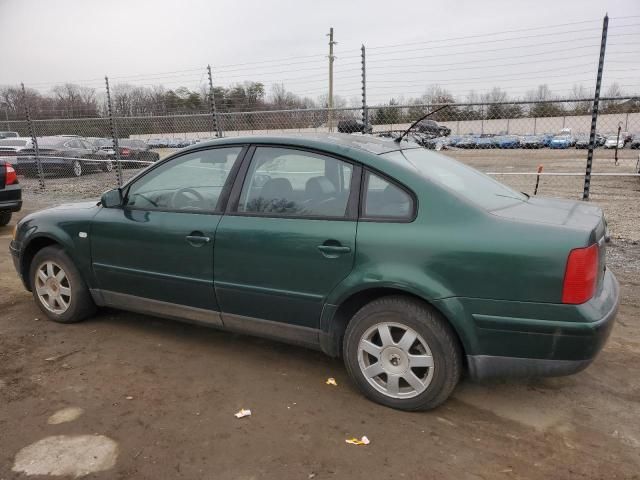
{"points": [[433, 128], [582, 140], [635, 141], [10, 192], [137, 151], [353, 126], [134, 153], [64, 155]]}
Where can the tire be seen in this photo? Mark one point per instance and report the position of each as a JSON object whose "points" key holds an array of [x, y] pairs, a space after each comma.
{"points": [[79, 304], [5, 218], [434, 337], [106, 166], [76, 168]]}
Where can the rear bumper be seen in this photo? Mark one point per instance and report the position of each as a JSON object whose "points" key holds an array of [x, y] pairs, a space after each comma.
{"points": [[533, 347], [11, 198]]}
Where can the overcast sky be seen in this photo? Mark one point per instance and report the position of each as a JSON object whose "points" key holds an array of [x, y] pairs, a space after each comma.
{"points": [[45, 42]]}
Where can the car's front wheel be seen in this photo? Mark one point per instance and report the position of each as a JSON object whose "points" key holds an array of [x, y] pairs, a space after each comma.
{"points": [[401, 353], [58, 288]]}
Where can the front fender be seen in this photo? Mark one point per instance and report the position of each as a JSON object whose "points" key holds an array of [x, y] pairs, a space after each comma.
{"points": [[65, 234]]}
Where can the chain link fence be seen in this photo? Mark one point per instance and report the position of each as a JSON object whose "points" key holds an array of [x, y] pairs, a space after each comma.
{"points": [[536, 147]]}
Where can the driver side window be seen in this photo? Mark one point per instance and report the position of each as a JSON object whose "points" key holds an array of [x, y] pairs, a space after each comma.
{"points": [[192, 182]]}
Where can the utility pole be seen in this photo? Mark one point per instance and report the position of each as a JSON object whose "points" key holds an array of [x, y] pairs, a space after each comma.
{"points": [[331, 59], [594, 110], [6, 116]]}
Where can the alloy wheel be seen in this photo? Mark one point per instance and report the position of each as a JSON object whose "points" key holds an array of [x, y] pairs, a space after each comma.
{"points": [[77, 168], [53, 287], [395, 360]]}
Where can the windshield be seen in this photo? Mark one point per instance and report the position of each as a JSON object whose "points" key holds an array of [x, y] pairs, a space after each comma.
{"points": [[463, 180]]}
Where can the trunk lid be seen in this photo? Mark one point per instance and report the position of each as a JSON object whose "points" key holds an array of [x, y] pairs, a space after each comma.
{"points": [[580, 216]]}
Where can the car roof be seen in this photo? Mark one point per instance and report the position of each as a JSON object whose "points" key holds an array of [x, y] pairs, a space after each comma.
{"points": [[326, 141]]}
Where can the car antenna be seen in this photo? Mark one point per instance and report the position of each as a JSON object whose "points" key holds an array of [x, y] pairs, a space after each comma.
{"points": [[399, 139]]}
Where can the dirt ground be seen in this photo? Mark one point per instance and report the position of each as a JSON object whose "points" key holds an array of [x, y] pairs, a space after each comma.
{"points": [[164, 395]]}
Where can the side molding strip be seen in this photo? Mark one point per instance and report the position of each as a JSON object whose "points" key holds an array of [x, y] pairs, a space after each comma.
{"points": [[156, 307], [295, 334]]}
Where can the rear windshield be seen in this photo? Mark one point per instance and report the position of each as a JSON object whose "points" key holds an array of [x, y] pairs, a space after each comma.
{"points": [[13, 143], [52, 141], [465, 181]]}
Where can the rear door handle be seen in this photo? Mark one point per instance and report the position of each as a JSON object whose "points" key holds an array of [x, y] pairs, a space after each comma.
{"points": [[333, 249], [197, 239]]}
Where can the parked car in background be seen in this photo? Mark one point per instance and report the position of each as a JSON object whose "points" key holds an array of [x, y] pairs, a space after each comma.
{"points": [[562, 141], [10, 146], [432, 127], [353, 125], [64, 156], [635, 141], [506, 141], [104, 144], [467, 141], [10, 192], [532, 141], [614, 141], [422, 266], [6, 134], [134, 151], [157, 142], [484, 142]]}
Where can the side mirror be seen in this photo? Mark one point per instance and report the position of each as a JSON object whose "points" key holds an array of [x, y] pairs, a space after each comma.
{"points": [[111, 198]]}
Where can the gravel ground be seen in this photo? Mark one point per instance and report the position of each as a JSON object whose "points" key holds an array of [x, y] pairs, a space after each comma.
{"points": [[130, 396]]}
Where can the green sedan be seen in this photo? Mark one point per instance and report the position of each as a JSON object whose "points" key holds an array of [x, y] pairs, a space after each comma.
{"points": [[411, 266]]}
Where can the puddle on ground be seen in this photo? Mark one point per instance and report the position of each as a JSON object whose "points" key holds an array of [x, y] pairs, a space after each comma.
{"points": [[73, 455], [65, 415]]}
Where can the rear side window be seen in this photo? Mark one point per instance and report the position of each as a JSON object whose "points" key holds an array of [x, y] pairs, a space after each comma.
{"points": [[385, 200], [291, 182]]}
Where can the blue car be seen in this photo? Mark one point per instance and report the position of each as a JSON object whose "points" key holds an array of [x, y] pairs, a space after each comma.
{"points": [[562, 141], [484, 142], [506, 141]]}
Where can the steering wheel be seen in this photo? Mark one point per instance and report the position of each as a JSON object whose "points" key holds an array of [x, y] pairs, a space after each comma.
{"points": [[187, 198]]}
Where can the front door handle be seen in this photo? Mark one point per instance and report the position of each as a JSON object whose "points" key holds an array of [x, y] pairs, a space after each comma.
{"points": [[197, 239]]}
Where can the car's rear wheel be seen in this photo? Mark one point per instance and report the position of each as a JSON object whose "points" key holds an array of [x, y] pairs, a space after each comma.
{"points": [[107, 166], [401, 353], [5, 218], [77, 168], [58, 288]]}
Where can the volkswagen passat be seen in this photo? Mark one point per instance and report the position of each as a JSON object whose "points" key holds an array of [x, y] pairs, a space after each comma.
{"points": [[408, 264]]}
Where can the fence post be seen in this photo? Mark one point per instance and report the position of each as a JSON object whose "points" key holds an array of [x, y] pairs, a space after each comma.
{"points": [[212, 105], [365, 110], [6, 116], [535, 125], [34, 139], [114, 133], [594, 110]]}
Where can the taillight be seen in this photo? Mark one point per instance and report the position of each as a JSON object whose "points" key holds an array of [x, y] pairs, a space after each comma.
{"points": [[581, 275], [125, 152], [10, 175]]}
